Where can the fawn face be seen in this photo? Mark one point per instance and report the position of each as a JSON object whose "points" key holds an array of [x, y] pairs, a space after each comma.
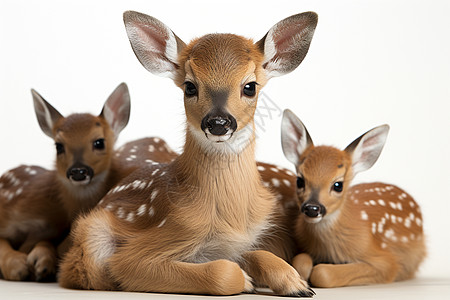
{"points": [[325, 173], [84, 143], [220, 74]]}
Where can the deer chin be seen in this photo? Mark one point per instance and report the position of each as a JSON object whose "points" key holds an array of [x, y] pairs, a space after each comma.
{"points": [[314, 220], [218, 138], [80, 182]]}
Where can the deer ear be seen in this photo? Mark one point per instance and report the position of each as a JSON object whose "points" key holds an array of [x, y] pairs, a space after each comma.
{"points": [[154, 44], [295, 138], [366, 149], [46, 114], [116, 110], [286, 44]]}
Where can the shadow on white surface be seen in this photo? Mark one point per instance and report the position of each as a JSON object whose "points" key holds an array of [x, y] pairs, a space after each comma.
{"points": [[419, 288]]}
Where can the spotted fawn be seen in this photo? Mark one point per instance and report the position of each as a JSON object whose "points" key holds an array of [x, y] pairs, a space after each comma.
{"points": [[353, 235]]}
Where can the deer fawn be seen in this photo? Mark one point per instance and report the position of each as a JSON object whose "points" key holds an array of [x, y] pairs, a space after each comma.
{"points": [[193, 226], [367, 233], [38, 205]]}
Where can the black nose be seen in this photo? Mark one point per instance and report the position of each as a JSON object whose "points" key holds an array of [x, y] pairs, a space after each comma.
{"points": [[79, 172], [219, 125], [312, 210]]}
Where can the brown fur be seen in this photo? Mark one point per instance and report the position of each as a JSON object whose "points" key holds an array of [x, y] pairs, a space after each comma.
{"points": [[190, 226]]}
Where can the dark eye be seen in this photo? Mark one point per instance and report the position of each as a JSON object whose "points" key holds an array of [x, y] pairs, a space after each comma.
{"points": [[250, 89], [99, 144], [338, 186], [59, 148], [300, 183], [189, 89]]}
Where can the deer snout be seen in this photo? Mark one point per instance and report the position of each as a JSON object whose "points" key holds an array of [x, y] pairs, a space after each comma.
{"points": [[314, 212], [80, 174], [219, 128]]}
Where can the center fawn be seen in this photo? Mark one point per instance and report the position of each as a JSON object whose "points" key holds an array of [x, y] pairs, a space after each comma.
{"points": [[193, 225], [355, 235], [37, 205]]}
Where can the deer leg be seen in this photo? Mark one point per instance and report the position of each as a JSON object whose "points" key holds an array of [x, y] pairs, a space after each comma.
{"points": [[303, 263], [42, 259], [13, 264], [219, 277], [270, 270], [331, 275]]}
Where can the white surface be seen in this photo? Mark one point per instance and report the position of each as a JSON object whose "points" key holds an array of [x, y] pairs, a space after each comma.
{"points": [[422, 288], [370, 62]]}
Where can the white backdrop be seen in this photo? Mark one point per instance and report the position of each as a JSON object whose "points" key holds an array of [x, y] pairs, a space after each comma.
{"points": [[370, 62]]}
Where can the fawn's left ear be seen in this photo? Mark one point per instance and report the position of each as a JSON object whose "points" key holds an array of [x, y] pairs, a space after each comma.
{"points": [[116, 110], [295, 138], [366, 149], [287, 42]]}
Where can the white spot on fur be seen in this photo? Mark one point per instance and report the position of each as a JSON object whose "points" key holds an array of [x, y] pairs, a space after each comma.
{"points": [[381, 202], [392, 204], [286, 182], [383, 245], [109, 207], [412, 204], [399, 206], [374, 228], [266, 184], [151, 212], [141, 210], [364, 216], [151, 148], [162, 223], [153, 195], [418, 222], [261, 168], [274, 169], [154, 172], [275, 182], [372, 202], [404, 239], [407, 223], [120, 213], [156, 140], [130, 217], [393, 219]]}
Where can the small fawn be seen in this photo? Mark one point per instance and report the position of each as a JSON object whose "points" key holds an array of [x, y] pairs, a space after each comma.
{"points": [[193, 225], [355, 235], [37, 205]]}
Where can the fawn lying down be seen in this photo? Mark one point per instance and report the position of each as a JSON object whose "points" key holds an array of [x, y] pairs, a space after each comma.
{"points": [[38, 205], [362, 234]]}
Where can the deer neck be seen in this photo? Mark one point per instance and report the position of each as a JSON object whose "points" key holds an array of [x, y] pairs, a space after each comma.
{"points": [[220, 179]]}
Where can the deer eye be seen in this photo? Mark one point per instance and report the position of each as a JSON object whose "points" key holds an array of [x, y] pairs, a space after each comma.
{"points": [[59, 148], [338, 186], [250, 89], [300, 183], [189, 89], [99, 144]]}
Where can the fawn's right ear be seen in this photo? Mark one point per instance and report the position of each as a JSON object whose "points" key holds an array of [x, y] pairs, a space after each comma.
{"points": [[116, 110], [46, 114], [154, 44], [295, 138]]}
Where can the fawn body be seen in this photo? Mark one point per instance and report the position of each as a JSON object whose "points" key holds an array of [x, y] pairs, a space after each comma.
{"points": [[362, 234], [38, 205], [192, 226]]}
